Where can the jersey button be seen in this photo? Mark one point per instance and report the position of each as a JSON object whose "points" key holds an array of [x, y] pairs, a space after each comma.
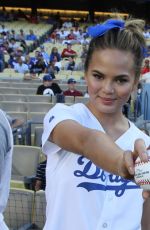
{"points": [[104, 225]]}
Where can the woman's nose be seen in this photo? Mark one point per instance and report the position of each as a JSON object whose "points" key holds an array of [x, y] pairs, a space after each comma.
{"points": [[108, 87]]}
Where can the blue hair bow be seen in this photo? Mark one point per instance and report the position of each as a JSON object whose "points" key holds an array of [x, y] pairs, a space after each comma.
{"points": [[99, 30]]}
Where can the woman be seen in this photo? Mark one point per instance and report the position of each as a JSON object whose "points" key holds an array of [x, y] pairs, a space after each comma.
{"points": [[81, 141], [55, 55]]}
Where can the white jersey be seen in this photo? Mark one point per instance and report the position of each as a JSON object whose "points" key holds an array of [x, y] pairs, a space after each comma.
{"points": [[80, 195], [6, 147]]}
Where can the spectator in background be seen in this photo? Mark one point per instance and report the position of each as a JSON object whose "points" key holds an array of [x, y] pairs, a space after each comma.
{"points": [[21, 67], [19, 53], [54, 54], [146, 67], [48, 87], [146, 33], [12, 60], [70, 65], [5, 47], [72, 37], [12, 34], [67, 24], [15, 122], [21, 36], [2, 61], [17, 125], [62, 34], [68, 52], [40, 179], [51, 69], [24, 46], [44, 54], [71, 91], [3, 29], [31, 36], [38, 65], [6, 148], [84, 51], [47, 39], [13, 46]]}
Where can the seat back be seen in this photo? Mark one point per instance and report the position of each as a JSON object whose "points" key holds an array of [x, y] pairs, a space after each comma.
{"points": [[25, 160]]}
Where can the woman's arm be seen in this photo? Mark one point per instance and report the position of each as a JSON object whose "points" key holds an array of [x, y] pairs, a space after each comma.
{"points": [[96, 146]]}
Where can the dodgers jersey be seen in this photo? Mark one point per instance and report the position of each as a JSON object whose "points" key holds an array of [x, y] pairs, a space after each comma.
{"points": [[80, 195]]}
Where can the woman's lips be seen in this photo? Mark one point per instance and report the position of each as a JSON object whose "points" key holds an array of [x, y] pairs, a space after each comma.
{"points": [[107, 101]]}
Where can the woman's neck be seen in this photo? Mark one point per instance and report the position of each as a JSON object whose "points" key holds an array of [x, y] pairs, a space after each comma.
{"points": [[114, 124]]}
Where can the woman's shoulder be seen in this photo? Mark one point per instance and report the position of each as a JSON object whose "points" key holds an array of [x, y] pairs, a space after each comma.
{"points": [[73, 111], [73, 108]]}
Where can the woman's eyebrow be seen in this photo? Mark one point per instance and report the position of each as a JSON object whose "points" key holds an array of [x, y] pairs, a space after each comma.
{"points": [[97, 71], [122, 75]]}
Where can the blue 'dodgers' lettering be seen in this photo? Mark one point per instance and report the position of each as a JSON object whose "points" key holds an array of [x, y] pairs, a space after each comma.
{"points": [[112, 182]]}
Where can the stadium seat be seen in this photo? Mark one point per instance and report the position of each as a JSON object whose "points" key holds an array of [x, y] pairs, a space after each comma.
{"points": [[15, 106], [38, 136], [14, 97], [39, 107], [83, 100], [27, 91], [25, 161], [9, 90], [38, 98], [69, 99]]}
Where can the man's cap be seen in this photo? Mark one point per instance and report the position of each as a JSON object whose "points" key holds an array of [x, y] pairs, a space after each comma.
{"points": [[71, 80], [47, 77], [68, 43]]}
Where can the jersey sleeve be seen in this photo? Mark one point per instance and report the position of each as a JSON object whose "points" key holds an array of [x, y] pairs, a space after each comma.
{"points": [[58, 113]]}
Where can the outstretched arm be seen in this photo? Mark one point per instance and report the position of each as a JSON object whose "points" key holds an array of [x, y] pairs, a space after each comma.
{"points": [[98, 147]]}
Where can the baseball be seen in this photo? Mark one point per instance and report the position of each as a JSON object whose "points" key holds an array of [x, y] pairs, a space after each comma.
{"points": [[142, 174]]}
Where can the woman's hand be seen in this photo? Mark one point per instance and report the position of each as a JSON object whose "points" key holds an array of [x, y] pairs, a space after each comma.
{"points": [[126, 168]]}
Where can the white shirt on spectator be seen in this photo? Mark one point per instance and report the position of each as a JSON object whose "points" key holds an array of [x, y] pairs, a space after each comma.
{"points": [[21, 68]]}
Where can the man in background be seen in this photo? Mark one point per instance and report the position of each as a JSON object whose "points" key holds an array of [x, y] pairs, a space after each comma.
{"points": [[71, 91], [48, 87]]}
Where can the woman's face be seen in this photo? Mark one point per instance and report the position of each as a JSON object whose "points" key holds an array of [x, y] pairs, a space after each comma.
{"points": [[110, 79]]}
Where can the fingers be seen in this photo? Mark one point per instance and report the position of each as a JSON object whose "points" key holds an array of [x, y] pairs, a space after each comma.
{"points": [[146, 194], [129, 161], [140, 150]]}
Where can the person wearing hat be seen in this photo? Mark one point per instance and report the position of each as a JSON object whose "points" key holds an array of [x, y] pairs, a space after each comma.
{"points": [[71, 91], [48, 87]]}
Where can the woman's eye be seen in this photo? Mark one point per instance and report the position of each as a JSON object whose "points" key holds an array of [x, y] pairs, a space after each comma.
{"points": [[121, 81], [97, 76]]}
